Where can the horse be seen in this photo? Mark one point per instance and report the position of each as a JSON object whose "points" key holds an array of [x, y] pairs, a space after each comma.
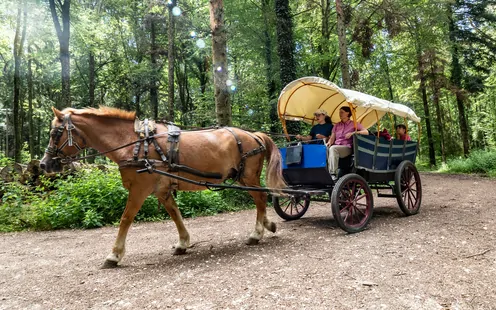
{"points": [[217, 152]]}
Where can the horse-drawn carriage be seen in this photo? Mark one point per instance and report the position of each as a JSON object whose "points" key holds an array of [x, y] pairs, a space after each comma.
{"points": [[376, 163], [195, 160]]}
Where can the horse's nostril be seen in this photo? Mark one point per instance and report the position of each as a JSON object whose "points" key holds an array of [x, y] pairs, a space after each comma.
{"points": [[42, 166]]}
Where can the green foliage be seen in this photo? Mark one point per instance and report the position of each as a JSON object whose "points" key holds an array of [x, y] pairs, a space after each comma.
{"points": [[92, 219], [480, 162], [4, 161], [93, 198]]}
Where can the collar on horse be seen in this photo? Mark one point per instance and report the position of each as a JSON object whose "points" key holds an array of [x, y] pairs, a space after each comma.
{"points": [[57, 134]]}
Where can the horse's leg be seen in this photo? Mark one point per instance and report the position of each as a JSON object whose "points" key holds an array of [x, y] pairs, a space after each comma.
{"points": [[262, 220], [170, 205], [138, 191]]}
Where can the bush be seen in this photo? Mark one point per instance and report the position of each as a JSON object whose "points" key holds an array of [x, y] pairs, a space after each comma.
{"points": [[481, 162], [94, 198]]}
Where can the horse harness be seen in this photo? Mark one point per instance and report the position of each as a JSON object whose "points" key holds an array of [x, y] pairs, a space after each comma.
{"points": [[56, 134], [146, 132]]}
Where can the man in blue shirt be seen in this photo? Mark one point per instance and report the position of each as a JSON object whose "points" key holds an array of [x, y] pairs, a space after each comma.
{"points": [[322, 130]]}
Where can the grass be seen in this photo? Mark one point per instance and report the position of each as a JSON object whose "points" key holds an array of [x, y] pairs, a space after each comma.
{"points": [[480, 162]]}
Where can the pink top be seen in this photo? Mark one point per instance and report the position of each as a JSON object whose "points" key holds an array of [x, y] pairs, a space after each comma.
{"points": [[341, 129]]}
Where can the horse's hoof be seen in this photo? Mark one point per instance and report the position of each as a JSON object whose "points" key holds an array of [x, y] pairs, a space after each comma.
{"points": [[179, 251], [272, 227], [252, 241], [109, 264]]}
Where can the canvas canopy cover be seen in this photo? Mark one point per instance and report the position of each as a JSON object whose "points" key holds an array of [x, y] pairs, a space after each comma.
{"points": [[301, 98]]}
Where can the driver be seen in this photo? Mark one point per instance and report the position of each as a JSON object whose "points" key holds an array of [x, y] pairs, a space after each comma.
{"points": [[322, 130]]}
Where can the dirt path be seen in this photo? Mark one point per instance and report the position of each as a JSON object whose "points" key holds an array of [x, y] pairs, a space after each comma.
{"points": [[442, 258]]}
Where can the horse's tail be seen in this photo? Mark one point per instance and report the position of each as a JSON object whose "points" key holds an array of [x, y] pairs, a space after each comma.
{"points": [[273, 173]]}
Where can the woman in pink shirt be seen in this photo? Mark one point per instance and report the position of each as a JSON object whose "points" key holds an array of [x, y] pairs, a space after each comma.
{"points": [[341, 140]]}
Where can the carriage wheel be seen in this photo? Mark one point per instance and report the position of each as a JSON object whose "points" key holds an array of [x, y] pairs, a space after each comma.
{"points": [[408, 188], [352, 203], [291, 207]]}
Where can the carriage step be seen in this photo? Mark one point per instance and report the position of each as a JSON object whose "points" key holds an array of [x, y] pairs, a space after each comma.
{"points": [[386, 195]]}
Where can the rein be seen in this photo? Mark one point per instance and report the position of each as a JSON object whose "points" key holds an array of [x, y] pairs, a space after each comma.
{"points": [[272, 134], [69, 126]]}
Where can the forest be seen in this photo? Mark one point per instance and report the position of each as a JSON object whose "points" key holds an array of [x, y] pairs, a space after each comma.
{"points": [[202, 63]]}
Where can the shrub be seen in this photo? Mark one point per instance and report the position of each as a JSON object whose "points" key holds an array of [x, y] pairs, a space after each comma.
{"points": [[482, 162], [94, 198]]}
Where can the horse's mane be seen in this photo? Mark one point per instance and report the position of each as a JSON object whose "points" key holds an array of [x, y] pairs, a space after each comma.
{"points": [[102, 111]]}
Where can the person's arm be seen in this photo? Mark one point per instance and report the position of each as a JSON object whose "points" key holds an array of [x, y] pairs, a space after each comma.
{"points": [[303, 138], [332, 139], [361, 131]]}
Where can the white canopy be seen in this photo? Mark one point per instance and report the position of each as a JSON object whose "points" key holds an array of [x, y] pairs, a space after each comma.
{"points": [[302, 97]]}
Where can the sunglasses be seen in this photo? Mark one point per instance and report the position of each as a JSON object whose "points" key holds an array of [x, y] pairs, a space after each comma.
{"points": [[317, 114]]}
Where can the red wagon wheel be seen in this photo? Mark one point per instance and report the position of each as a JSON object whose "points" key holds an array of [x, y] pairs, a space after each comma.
{"points": [[408, 188], [352, 203], [291, 207]]}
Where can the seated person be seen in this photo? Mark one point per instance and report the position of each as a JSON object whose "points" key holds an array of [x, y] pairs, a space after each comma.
{"points": [[322, 130], [401, 133], [384, 133], [341, 141]]}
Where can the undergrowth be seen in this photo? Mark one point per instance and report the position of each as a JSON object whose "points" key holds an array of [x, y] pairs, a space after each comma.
{"points": [[94, 198]]}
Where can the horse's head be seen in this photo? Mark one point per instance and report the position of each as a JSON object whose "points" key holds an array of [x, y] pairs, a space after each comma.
{"points": [[65, 143]]}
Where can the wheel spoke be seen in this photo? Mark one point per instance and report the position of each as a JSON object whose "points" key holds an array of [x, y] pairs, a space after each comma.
{"points": [[360, 211], [411, 202], [362, 204], [364, 195]]}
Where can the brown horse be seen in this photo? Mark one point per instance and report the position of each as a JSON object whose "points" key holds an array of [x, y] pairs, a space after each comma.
{"points": [[216, 151]]}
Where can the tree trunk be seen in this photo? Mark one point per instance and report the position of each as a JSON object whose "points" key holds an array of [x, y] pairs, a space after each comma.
{"points": [[17, 104], [456, 81], [390, 86], [153, 82], [423, 90], [435, 99], [182, 85], [269, 68], [343, 45], [92, 78], [285, 43], [63, 35], [285, 50], [171, 60], [39, 124], [325, 41], [32, 139], [219, 38]]}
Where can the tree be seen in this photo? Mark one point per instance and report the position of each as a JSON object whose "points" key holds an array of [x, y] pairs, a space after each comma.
{"points": [[20, 35], [171, 60], [343, 47], [219, 58], [269, 66], [285, 42], [456, 81], [473, 47], [285, 49], [63, 34]]}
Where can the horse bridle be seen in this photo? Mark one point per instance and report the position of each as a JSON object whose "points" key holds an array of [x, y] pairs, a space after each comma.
{"points": [[57, 134]]}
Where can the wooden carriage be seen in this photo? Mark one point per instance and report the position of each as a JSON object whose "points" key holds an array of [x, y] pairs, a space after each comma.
{"points": [[376, 163]]}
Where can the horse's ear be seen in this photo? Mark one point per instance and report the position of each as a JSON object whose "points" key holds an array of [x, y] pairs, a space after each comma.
{"points": [[58, 114]]}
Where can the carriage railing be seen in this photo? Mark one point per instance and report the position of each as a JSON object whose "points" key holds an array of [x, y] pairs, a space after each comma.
{"points": [[379, 155]]}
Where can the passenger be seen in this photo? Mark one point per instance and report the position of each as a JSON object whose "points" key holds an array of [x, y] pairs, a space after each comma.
{"points": [[401, 133], [322, 130], [341, 142]]}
